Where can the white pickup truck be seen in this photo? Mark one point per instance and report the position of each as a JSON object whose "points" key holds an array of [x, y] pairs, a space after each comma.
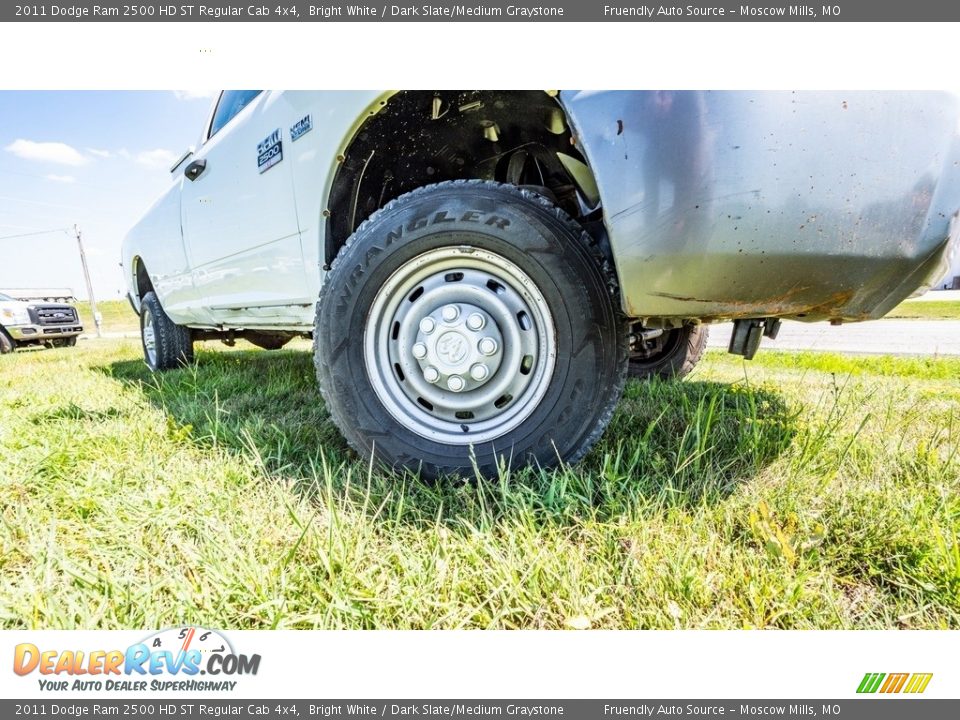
{"points": [[481, 270], [37, 323]]}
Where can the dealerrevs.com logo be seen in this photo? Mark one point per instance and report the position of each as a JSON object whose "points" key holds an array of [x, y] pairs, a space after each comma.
{"points": [[172, 659]]}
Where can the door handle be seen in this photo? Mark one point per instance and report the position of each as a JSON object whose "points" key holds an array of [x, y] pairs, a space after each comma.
{"points": [[195, 169]]}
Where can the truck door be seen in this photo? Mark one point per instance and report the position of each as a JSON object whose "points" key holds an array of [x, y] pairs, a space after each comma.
{"points": [[239, 216]]}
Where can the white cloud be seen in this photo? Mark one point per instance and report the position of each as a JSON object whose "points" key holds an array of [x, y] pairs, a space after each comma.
{"points": [[61, 178], [53, 152], [100, 153], [194, 94], [159, 158]]}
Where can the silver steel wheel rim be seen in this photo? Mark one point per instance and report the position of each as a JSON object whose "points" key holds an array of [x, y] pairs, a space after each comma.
{"points": [[149, 337], [460, 345]]}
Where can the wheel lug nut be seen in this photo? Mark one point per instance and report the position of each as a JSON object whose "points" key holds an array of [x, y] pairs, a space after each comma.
{"points": [[450, 313], [427, 325], [419, 351], [487, 345], [455, 383], [479, 371], [431, 374], [476, 321]]}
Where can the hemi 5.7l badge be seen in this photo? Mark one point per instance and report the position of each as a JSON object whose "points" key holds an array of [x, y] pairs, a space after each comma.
{"points": [[301, 127], [269, 151]]}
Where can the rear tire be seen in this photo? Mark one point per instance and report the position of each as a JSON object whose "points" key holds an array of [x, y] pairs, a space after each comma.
{"points": [[467, 325], [674, 356], [166, 345]]}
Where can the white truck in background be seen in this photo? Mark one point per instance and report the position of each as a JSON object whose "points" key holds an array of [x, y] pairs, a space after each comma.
{"points": [[24, 323]]}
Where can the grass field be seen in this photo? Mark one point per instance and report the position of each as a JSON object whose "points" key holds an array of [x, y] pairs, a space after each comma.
{"points": [[927, 310], [116, 316], [795, 491]]}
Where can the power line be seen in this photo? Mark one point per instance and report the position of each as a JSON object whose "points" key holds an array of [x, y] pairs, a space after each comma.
{"points": [[74, 182], [40, 202], [31, 234]]}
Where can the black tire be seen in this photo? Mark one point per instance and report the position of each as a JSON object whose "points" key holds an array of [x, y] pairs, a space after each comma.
{"points": [[267, 340], [64, 342], [673, 356], [574, 280], [6, 344], [173, 344]]}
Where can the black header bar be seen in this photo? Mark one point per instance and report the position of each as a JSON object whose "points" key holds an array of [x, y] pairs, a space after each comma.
{"points": [[486, 11]]}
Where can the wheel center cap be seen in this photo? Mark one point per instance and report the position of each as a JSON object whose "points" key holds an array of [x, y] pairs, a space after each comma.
{"points": [[452, 348], [458, 346]]}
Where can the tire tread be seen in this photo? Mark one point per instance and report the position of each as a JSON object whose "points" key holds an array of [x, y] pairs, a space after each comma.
{"points": [[592, 252], [174, 342]]}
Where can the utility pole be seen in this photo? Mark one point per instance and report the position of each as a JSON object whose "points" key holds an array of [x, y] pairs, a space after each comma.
{"points": [[86, 275]]}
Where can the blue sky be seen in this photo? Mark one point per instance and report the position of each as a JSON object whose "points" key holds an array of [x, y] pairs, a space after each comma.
{"points": [[97, 159]]}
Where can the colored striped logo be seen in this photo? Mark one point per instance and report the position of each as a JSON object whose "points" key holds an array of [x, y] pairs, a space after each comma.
{"points": [[894, 683]]}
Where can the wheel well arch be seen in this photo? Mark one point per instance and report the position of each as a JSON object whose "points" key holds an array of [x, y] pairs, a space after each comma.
{"points": [[141, 278], [422, 137]]}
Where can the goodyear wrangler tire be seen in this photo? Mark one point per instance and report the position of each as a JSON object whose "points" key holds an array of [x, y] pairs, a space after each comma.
{"points": [[166, 345], [674, 356], [467, 325]]}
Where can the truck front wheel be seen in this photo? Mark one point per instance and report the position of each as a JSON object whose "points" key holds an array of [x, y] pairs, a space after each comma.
{"points": [[6, 344], [166, 345], [467, 326]]}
